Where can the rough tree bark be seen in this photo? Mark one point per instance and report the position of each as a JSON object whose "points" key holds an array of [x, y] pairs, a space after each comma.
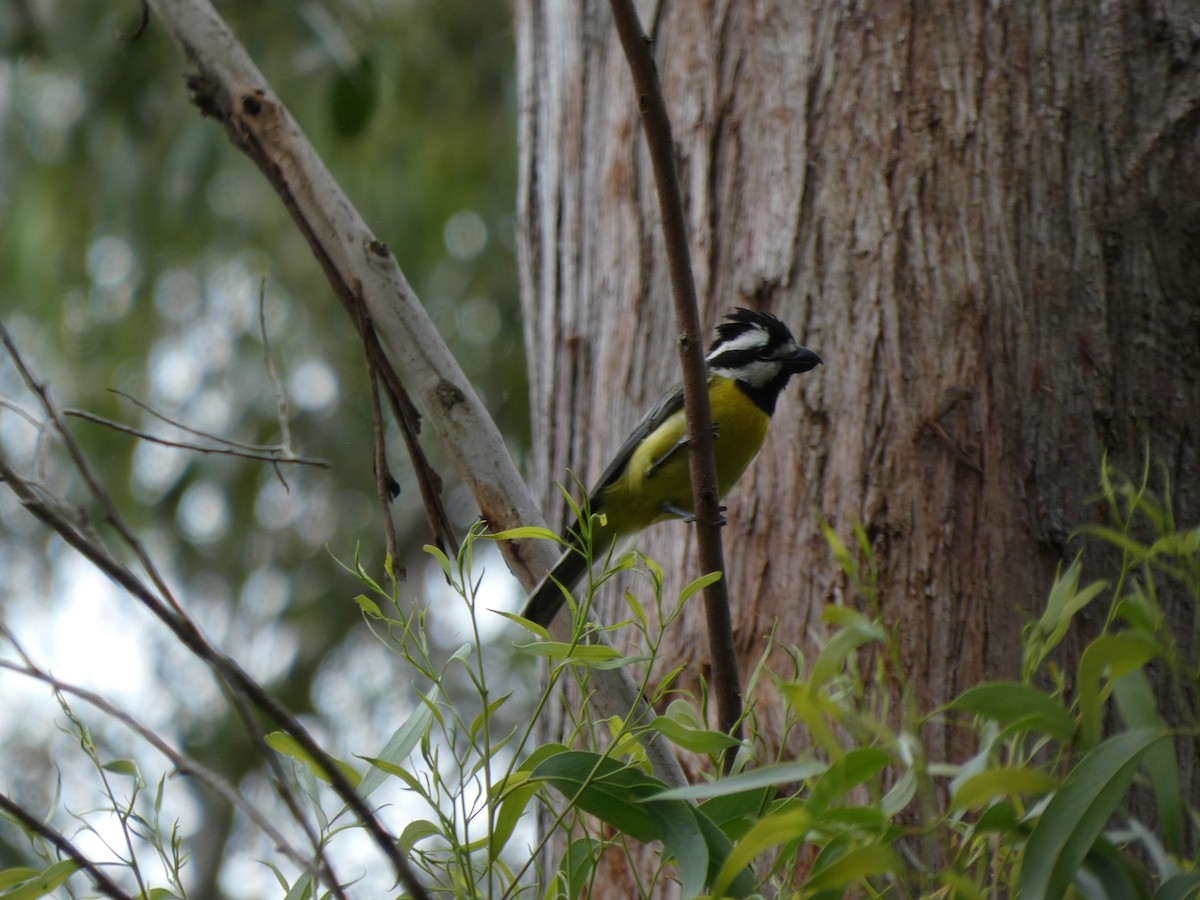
{"points": [[983, 216]]}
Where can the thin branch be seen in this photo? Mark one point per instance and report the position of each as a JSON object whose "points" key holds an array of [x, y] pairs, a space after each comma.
{"points": [[81, 464], [261, 449], [270, 454], [226, 667], [408, 419], [705, 494], [386, 488], [104, 884], [281, 404]]}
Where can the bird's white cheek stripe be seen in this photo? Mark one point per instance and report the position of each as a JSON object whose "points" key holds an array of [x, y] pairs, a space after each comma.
{"points": [[748, 341]]}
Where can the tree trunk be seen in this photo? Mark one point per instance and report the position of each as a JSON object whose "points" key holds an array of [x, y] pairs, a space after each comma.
{"points": [[983, 216]]}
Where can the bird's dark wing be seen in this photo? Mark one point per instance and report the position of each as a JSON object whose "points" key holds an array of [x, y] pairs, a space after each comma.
{"points": [[670, 404]]}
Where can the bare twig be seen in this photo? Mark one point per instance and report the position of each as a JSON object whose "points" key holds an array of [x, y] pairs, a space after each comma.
{"points": [[96, 489], [277, 455], [104, 884], [281, 404], [429, 483], [184, 764], [385, 485], [239, 682], [408, 420], [705, 494]]}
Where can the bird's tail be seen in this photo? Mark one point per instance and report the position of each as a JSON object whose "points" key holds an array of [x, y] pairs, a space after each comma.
{"points": [[547, 598]]}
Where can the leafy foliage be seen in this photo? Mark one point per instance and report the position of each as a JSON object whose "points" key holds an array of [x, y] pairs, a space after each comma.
{"points": [[1043, 807]]}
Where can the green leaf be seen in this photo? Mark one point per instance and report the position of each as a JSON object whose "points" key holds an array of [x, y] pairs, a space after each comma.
{"points": [[514, 794], [592, 656], [843, 776], [900, 795], [517, 791], [1114, 656], [126, 767], [1118, 539], [698, 585], [1181, 887], [415, 832], [833, 655], [980, 790], [735, 813], [772, 830], [1109, 874], [768, 776], [1000, 817], [284, 743], [400, 745], [442, 560], [525, 533], [628, 800], [1064, 602], [962, 887], [39, 884], [1076, 815], [697, 740], [604, 788], [486, 714], [683, 839], [16, 875], [853, 865], [1012, 702], [1138, 709], [719, 848], [368, 606], [303, 889], [575, 869]]}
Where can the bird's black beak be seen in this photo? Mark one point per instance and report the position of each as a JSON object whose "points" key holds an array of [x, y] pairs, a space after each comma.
{"points": [[803, 360]]}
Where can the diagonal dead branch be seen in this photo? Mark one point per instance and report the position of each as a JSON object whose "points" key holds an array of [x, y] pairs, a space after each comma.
{"points": [[226, 85]]}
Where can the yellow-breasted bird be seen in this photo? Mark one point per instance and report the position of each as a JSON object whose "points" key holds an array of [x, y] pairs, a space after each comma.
{"points": [[750, 362]]}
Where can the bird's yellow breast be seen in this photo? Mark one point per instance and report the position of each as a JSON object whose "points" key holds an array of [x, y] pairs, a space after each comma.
{"points": [[638, 497]]}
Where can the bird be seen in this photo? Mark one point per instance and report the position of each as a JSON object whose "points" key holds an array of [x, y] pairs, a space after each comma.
{"points": [[749, 364]]}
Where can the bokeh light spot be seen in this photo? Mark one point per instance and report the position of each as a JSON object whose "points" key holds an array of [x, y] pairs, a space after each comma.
{"points": [[266, 592], [203, 513], [479, 321], [314, 386], [177, 294], [174, 371], [465, 234], [110, 261]]}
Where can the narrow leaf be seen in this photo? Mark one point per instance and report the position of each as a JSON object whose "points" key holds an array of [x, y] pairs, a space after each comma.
{"points": [[769, 776], [1076, 815]]}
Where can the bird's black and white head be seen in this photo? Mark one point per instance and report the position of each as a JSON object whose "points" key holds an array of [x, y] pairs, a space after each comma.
{"points": [[757, 350]]}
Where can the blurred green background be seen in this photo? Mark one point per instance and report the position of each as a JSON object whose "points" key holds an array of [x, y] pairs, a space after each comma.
{"points": [[133, 242]]}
